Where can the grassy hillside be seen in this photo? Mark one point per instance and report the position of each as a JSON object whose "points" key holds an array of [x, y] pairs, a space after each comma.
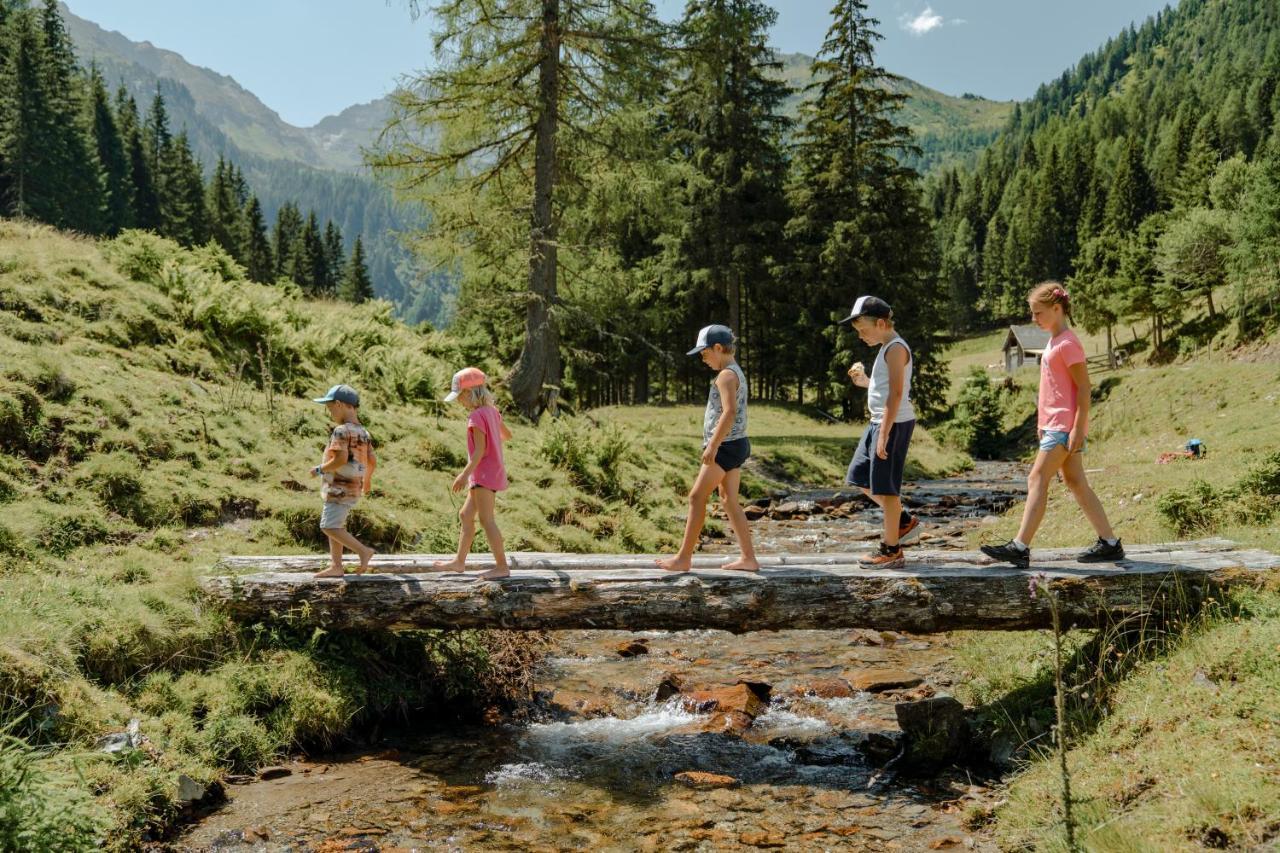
{"points": [[1164, 760], [153, 409]]}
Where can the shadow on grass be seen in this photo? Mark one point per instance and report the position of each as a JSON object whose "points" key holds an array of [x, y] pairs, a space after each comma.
{"points": [[1020, 722]]}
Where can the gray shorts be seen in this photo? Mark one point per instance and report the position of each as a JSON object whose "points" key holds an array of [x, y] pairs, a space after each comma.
{"points": [[334, 515]]}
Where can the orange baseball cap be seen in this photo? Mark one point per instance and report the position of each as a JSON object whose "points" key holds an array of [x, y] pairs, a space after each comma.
{"points": [[467, 377]]}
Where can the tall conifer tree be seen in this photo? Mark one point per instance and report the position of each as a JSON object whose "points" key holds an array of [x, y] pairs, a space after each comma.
{"points": [[113, 156], [27, 134], [77, 187], [286, 238], [145, 201], [258, 259], [356, 285], [859, 221], [335, 261]]}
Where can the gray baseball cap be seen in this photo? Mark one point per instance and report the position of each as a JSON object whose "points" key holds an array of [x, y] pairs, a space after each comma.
{"points": [[869, 306], [341, 394], [710, 336]]}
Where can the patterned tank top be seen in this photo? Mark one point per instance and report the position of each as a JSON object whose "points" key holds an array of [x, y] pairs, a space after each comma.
{"points": [[715, 408]]}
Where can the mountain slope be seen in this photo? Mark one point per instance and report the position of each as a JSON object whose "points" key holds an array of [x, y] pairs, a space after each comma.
{"points": [[1116, 155], [220, 100], [318, 169], [948, 129]]}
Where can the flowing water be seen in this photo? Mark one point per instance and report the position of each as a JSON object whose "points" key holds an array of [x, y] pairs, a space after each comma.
{"points": [[597, 770]]}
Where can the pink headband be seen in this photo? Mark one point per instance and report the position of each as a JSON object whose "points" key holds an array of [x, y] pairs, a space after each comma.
{"points": [[1060, 293]]}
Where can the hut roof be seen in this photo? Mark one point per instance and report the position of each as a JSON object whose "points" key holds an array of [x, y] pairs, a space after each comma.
{"points": [[1030, 337]]}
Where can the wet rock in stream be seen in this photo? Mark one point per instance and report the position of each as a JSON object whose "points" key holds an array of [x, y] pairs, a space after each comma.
{"points": [[936, 733]]}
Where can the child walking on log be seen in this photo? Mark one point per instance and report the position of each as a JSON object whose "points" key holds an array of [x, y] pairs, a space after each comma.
{"points": [[485, 474], [347, 469], [725, 447], [1063, 421], [878, 462]]}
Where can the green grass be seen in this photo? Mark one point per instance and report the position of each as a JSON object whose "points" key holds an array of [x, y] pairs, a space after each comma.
{"points": [[154, 409], [1159, 763]]}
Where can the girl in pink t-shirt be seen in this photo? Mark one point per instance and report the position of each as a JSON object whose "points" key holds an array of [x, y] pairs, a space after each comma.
{"points": [[485, 473], [1063, 420]]}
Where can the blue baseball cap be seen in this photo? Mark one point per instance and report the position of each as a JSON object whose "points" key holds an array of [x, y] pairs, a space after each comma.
{"points": [[341, 394], [710, 336]]}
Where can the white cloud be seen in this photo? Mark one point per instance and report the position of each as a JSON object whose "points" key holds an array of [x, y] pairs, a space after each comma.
{"points": [[926, 21]]}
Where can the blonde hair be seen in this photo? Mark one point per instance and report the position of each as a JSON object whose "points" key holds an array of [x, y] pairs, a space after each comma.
{"points": [[1051, 293], [479, 396]]}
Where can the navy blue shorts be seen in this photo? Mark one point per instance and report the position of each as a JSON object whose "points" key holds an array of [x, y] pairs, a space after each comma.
{"points": [[733, 453], [881, 476]]}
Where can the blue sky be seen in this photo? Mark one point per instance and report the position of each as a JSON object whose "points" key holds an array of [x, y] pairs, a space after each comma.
{"points": [[310, 58]]}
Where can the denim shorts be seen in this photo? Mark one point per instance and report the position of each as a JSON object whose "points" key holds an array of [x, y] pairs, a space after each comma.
{"points": [[334, 515], [1051, 438]]}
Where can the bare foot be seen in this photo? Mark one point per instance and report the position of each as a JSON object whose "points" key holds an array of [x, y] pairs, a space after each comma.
{"points": [[365, 556], [675, 564], [331, 572], [492, 574], [742, 564], [454, 565]]}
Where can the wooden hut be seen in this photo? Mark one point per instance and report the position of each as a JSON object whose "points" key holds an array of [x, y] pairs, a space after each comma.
{"points": [[1024, 345]]}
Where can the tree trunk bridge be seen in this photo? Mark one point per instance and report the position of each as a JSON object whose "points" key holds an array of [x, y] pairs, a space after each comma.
{"points": [[936, 591]]}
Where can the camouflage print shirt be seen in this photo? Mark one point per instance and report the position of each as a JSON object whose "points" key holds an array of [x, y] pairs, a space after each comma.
{"points": [[346, 484]]}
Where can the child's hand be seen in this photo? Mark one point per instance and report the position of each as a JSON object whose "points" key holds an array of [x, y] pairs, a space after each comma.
{"points": [[882, 445], [859, 375], [1075, 441], [709, 454], [459, 482], [315, 472]]}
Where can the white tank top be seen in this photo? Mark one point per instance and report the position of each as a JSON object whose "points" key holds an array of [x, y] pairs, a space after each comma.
{"points": [[878, 391]]}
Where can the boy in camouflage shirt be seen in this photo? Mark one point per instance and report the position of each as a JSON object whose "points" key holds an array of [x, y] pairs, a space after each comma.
{"points": [[347, 469]]}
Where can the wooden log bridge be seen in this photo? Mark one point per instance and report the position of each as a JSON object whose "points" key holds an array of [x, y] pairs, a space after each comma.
{"points": [[936, 591]]}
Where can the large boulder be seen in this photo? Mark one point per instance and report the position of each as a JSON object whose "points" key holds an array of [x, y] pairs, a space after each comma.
{"points": [[746, 697], [732, 708]]}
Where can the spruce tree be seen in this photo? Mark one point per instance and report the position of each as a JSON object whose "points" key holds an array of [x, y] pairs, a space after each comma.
{"points": [[259, 261], [27, 134], [356, 285], [335, 261], [183, 198], [727, 124], [157, 144], [286, 239], [145, 201], [223, 211], [308, 262], [1191, 187], [77, 186], [113, 156], [1132, 198], [859, 223]]}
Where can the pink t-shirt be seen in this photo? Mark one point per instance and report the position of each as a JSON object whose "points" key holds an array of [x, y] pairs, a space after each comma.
{"points": [[1057, 390], [491, 473]]}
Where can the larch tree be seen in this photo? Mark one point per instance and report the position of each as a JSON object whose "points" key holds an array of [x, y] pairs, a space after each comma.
{"points": [[497, 133]]}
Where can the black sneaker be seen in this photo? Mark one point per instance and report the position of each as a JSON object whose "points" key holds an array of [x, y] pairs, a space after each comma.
{"points": [[1101, 552], [1009, 553]]}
